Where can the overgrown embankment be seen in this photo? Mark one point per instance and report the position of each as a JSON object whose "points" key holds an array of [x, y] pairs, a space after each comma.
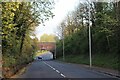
{"points": [[19, 43], [104, 61], [105, 35]]}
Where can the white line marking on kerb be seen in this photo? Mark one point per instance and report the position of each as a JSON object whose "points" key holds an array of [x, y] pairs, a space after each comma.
{"points": [[55, 69]]}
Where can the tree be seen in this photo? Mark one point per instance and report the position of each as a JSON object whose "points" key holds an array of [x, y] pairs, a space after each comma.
{"points": [[19, 19], [105, 30], [48, 38]]}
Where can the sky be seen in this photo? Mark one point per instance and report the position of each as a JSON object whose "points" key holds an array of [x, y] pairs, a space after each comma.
{"points": [[62, 7]]}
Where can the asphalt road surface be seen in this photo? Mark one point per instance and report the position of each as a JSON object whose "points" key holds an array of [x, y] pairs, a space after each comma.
{"points": [[46, 56], [56, 69]]}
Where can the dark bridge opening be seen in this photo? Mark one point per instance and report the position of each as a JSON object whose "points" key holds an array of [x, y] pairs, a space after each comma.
{"points": [[49, 46]]}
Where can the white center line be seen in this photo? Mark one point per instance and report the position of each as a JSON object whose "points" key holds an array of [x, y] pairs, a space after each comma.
{"points": [[63, 75], [55, 69]]}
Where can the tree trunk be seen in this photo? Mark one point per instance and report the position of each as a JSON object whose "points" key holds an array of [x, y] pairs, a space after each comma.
{"points": [[22, 41]]}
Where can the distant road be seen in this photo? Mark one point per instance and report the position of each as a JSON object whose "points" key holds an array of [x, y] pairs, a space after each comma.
{"points": [[45, 56], [55, 69]]}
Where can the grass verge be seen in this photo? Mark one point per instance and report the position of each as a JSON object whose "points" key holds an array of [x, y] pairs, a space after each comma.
{"points": [[99, 60]]}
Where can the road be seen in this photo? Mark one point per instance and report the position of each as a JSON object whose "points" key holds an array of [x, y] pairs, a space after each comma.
{"points": [[48, 68], [56, 69]]}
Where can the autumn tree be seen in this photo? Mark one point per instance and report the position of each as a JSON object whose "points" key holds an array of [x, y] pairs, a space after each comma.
{"points": [[19, 20]]}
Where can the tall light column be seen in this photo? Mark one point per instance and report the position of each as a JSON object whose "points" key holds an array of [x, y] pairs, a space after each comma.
{"points": [[90, 51], [55, 50], [63, 42]]}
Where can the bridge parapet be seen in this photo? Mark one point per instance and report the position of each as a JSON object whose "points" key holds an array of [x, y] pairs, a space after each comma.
{"points": [[47, 46]]}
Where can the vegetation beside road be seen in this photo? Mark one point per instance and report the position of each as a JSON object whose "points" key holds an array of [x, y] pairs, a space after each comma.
{"points": [[105, 34], [100, 60], [19, 43]]}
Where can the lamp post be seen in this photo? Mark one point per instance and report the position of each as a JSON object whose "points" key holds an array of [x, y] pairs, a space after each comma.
{"points": [[63, 42], [90, 51], [55, 50], [63, 51]]}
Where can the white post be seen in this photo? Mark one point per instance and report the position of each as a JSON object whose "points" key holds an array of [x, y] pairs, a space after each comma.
{"points": [[63, 42], [63, 51], [90, 56], [55, 50]]}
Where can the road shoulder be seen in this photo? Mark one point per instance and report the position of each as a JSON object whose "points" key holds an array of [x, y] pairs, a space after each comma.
{"points": [[111, 72], [21, 71]]}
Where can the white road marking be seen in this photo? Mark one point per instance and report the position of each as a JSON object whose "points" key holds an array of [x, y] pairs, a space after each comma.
{"points": [[55, 69], [51, 67], [62, 75]]}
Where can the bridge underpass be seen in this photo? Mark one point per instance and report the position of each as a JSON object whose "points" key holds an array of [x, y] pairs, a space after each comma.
{"points": [[49, 46]]}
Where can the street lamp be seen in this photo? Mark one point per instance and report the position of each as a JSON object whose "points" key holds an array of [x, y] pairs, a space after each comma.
{"points": [[63, 50], [55, 50], [63, 42], [62, 36], [90, 51]]}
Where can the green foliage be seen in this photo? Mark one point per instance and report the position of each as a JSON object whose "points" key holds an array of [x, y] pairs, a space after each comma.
{"points": [[19, 20], [101, 60], [104, 32], [74, 44], [10, 60], [48, 38]]}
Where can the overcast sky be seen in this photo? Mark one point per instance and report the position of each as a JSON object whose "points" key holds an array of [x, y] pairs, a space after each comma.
{"points": [[62, 7]]}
